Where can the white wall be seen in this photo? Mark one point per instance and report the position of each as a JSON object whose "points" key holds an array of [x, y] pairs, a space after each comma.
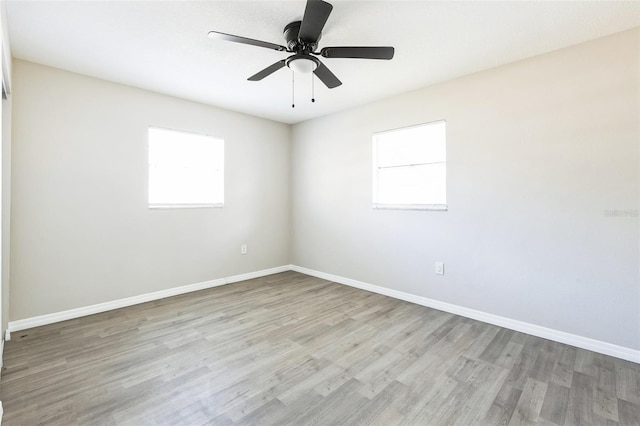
{"points": [[82, 233], [538, 152]]}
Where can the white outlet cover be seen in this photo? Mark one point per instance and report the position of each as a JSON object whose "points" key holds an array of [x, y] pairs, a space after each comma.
{"points": [[439, 269]]}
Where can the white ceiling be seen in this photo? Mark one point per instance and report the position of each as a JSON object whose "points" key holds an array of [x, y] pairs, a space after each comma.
{"points": [[163, 45]]}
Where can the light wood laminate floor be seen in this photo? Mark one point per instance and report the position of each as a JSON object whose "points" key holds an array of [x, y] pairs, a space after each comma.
{"points": [[293, 349]]}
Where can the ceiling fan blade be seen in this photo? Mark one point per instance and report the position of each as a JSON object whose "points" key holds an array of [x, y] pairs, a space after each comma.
{"points": [[245, 40], [315, 16], [326, 76], [378, 52], [267, 71]]}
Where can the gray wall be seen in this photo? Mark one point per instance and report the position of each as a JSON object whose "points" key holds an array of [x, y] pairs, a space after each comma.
{"points": [[81, 231], [538, 152]]}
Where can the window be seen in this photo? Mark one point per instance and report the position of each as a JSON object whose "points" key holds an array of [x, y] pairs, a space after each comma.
{"points": [[410, 168], [185, 169]]}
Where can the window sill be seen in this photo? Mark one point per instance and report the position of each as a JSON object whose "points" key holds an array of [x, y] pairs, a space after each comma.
{"points": [[185, 206], [425, 207]]}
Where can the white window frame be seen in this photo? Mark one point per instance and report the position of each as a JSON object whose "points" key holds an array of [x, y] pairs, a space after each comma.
{"points": [[386, 206], [186, 205]]}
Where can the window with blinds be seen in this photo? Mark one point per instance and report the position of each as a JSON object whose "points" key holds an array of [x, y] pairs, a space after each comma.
{"points": [[410, 168]]}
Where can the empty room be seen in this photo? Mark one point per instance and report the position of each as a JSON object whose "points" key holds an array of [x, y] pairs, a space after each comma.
{"points": [[311, 212]]}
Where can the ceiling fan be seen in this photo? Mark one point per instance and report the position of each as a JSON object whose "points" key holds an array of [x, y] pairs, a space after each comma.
{"points": [[302, 39]]}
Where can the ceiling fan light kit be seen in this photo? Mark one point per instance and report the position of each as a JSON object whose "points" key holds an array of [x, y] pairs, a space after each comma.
{"points": [[302, 64], [302, 39]]}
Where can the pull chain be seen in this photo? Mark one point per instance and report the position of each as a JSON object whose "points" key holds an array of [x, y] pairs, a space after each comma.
{"points": [[293, 89], [313, 91]]}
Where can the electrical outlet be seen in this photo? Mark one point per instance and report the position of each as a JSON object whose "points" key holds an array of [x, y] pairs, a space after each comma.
{"points": [[439, 268], [243, 249]]}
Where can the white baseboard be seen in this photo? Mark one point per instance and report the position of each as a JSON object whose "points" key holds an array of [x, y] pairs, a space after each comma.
{"points": [[524, 327], [24, 324]]}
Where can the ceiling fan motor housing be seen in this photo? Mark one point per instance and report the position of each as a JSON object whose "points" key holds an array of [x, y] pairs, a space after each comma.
{"points": [[294, 43]]}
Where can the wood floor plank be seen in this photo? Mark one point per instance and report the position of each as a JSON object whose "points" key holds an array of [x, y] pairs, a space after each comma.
{"points": [[606, 402], [385, 408], [276, 384], [290, 349], [497, 345], [530, 403], [629, 413], [562, 373], [302, 387], [502, 407], [627, 381], [554, 406], [485, 382], [426, 402], [382, 372], [336, 406], [521, 369], [581, 400]]}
